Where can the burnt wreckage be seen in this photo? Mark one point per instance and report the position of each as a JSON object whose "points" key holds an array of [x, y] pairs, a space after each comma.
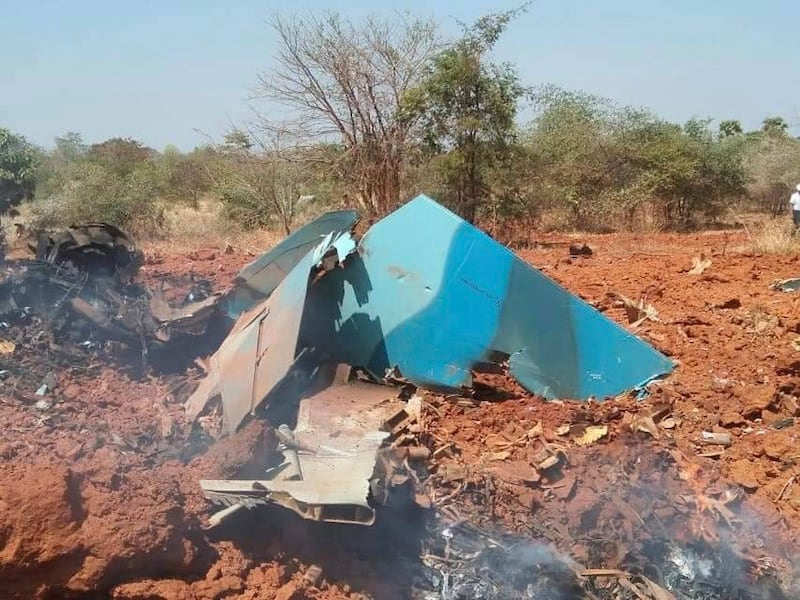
{"points": [[324, 321], [329, 336], [81, 283]]}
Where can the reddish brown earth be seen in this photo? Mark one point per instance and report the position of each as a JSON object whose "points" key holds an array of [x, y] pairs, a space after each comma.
{"points": [[99, 495]]}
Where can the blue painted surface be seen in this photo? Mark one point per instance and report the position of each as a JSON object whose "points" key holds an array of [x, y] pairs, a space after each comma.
{"points": [[260, 278], [433, 295], [429, 294]]}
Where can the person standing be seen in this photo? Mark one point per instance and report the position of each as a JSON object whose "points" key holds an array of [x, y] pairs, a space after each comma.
{"points": [[795, 202]]}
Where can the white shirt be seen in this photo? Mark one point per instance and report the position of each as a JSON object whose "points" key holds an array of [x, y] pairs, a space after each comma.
{"points": [[795, 201]]}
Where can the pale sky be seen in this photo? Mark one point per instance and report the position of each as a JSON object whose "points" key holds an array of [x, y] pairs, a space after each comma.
{"points": [[160, 71]]}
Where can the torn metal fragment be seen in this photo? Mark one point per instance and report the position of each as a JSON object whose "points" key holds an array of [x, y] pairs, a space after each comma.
{"points": [[429, 296], [423, 298], [260, 278], [331, 457], [91, 246], [786, 285], [259, 353], [432, 295]]}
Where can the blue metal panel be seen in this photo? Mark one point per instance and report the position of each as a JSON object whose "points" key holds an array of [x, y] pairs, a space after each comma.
{"points": [[433, 295], [261, 349], [258, 279]]}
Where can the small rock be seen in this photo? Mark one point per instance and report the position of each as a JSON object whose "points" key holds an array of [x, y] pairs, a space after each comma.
{"points": [[204, 254], [549, 463], [720, 384], [745, 473], [518, 472], [582, 250], [757, 399], [777, 445], [731, 419], [731, 304], [72, 391], [42, 405], [287, 591], [565, 487], [76, 452], [790, 404]]}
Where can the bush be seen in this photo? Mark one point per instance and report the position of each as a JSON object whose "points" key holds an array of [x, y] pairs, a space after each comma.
{"points": [[774, 236], [92, 193], [616, 167]]}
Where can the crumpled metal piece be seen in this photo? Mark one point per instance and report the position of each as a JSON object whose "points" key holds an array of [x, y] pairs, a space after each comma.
{"points": [[786, 285], [429, 296], [433, 296], [86, 269], [91, 247], [424, 297], [330, 456]]}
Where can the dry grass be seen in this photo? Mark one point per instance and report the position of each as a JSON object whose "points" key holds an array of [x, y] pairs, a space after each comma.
{"points": [[185, 229], [188, 229], [773, 236]]}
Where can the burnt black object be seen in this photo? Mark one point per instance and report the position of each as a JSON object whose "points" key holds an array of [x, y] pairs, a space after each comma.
{"points": [[97, 248], [582, 250]]}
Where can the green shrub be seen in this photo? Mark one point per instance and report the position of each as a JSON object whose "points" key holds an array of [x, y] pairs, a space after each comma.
{"points": [[92, 193]]}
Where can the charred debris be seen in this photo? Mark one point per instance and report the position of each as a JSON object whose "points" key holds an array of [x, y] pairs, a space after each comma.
{"points": [[78, 286], [329, 334]]}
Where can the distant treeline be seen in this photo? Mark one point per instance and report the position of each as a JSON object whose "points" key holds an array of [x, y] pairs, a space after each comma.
{"points": [[378, 111]]}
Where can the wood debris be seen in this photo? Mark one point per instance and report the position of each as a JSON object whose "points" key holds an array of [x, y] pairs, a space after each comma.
{"points": [[637, 312]]}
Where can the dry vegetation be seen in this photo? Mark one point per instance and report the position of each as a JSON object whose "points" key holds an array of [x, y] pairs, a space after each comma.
{"points": [[382, 110]]}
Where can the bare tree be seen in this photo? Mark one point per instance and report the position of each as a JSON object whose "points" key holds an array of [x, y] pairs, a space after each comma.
{"points": [[261, 182], [348, 83]]}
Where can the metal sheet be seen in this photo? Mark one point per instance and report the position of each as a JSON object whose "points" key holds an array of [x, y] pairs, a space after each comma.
{"points": [[261, 349], [260, 278], [341, 429], [432, 295]]}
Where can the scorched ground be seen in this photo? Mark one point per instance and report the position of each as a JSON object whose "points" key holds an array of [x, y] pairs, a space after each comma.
{"points": [[98, 479]]}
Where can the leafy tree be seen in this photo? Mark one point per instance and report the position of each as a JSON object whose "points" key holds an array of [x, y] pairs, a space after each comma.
{"points": [[469, 108], [120, 155], [70, 147], [119, 181], [264, 184], [237, 140], [18, 161], [91, 192], [608, 164], [189, 179], [730, 127], [773, 166], [54, 166], [774, 125], [695, 174]]}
